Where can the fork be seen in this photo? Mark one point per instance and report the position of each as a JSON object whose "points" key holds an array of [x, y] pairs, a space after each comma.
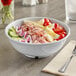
{"points": [[64, 67]]}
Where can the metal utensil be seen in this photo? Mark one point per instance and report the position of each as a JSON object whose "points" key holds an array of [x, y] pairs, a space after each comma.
{"points": [[64, 67]]}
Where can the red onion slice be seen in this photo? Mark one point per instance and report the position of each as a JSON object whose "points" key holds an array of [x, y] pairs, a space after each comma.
{"points": [[25, 34], [22, 40], [28, 39]]}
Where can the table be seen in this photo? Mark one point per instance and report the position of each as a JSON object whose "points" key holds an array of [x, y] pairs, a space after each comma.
{"points": [[12, 63]]}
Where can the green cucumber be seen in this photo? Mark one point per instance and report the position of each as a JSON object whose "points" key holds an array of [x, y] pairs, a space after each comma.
{"points": [[12, 29], [12, 34]]}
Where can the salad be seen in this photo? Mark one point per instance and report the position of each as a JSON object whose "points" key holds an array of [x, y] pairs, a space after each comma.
{"points": [[42, 31]]}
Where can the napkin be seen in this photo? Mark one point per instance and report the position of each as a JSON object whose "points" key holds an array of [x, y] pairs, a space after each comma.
{"points": [[60, 59]]}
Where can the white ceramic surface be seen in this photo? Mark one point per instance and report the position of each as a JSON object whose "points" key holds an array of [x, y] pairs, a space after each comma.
{"points": [[37, 50]]}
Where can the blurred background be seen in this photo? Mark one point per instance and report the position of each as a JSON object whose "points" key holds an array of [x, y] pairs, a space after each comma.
{"points": [[53, 8]]}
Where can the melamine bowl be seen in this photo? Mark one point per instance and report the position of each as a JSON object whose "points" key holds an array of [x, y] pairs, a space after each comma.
{"points": [[37, 50]]}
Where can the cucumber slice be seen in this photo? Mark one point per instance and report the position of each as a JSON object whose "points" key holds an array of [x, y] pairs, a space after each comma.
{"points": [[12, 29], [9, 32], [12, 34]]}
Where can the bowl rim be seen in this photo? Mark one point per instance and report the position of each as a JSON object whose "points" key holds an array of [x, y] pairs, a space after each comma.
{"points": [[38, 43]]}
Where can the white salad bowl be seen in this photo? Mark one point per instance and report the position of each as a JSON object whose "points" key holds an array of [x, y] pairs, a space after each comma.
{"points": [[37, 50]]}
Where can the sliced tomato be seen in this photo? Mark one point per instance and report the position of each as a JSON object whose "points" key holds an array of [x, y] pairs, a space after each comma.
{"points": [[62, 35], [58, 29], [55, 25], [46, 22]]}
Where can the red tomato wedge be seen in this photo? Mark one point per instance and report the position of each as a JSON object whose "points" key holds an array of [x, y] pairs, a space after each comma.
{"points": [[46, 22], [62, 35], [58, 29]]}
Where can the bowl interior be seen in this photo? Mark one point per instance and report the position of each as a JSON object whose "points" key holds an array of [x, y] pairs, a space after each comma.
{"points": [[19, 22]]}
